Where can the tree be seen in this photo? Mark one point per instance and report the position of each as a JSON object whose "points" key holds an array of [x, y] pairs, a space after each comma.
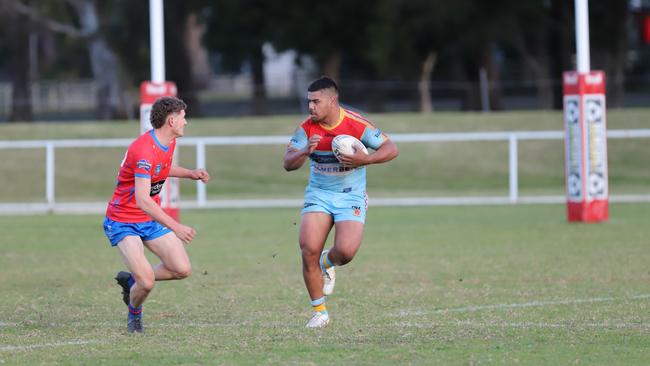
{"points": [[609, 19], [53, 17], [409, 37], [104, 63], [177, 16], [237, 29], [560, 45], [333, 33], [16, 29]]}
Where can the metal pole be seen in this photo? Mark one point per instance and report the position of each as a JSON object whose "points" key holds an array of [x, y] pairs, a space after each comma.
{"points": [[513, 164], [157, 35], [200, 163], [485, 89], [582, 36], [49, 174]]}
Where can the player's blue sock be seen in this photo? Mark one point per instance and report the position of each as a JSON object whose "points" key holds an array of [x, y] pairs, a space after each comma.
{"points": [[319, 305], [325, 262], [131, 281], [135, 313]]}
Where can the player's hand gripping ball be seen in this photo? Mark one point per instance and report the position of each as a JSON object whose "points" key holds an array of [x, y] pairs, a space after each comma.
{"points": [[346, 144]]}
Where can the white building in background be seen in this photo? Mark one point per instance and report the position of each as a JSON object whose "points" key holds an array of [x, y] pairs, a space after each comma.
{"points": [[284, 75]]}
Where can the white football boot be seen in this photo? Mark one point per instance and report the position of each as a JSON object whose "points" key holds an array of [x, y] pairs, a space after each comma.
{"points": [[329, 278], [318, 320]]}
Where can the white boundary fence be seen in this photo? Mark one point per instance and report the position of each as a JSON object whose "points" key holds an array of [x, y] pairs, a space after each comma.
{"points": [[513, 137]]}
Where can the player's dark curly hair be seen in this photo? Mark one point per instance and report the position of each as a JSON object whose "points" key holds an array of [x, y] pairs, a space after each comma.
{"points": [[321, 83], [163, 107]]}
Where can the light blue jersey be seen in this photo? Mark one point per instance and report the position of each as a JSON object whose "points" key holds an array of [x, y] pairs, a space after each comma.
{"points": [[333, 187]]}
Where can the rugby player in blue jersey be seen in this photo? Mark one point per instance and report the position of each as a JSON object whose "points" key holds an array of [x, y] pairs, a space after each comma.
{"points": [[336, 192]]}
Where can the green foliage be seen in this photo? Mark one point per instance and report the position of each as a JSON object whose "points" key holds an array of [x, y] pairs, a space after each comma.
{"points": [[354, 40], [237, 29], [126, 26], [329, 31], [409, 30]]}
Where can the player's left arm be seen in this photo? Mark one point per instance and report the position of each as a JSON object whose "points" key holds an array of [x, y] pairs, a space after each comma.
{"points": [[194, 174], [385, 149]]}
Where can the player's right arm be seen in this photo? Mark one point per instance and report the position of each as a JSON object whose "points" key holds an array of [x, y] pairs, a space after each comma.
{"points": [[299, 149], [151, 208]]}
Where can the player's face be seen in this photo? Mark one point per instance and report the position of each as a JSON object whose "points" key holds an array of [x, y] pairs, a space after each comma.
{"points": [[178, 123], [320, 104]]}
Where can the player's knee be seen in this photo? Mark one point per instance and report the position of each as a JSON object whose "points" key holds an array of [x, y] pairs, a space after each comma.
{"points": [[343, 260], [308, 251], [183, 271], [310, 258], [344, 256], [146, 283]]}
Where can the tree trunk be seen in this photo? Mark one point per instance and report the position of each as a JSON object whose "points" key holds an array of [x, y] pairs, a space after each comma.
{"points": [[103, 61], [467, 79], [537, 63], [616, 52], [494, 77], [177, 54], [21, 106], [424, 86], [560, 46], [260, 100], [332, 66], [197, 53]]}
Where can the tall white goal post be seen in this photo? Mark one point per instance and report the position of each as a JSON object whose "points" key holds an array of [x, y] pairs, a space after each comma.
{"points": [[585, 126], [153, 89]]}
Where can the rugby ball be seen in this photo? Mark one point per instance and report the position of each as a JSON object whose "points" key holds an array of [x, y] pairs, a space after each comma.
{"points": [[346, 144]]}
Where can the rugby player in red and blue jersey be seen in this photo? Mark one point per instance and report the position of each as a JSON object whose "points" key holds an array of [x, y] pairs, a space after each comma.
{"points": [[134, 218], [336, 193]]}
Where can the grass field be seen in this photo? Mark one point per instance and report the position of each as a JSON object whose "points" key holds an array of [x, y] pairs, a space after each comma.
{"points": [[422, 169], [436, 285]]}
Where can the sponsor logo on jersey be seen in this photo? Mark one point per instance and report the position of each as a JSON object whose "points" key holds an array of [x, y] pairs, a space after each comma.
{"points": [[157, 170], [156, 187], [144, 164], [332, 169], [324, 159]]}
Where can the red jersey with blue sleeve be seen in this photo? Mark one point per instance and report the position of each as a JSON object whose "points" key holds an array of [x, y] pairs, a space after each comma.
{"points": [[327, 173], [146, 157]]}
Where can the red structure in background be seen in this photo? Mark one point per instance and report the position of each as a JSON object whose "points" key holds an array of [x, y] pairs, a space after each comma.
{"points": [[585, 146], [646, 29], [149, 92]]}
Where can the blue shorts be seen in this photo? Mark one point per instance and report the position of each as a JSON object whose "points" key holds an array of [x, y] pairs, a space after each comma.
{"points": [[148, 230], [341, 206]]}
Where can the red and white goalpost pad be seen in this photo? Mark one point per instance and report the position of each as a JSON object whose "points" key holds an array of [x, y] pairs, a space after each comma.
{"points": [[149, 92], [585, 143]]}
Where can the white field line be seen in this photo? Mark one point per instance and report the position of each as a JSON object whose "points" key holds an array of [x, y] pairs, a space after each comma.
{"points": [[468, 309], [180, 324], [44, 345], [403, 324], [525, 325], [403, 313]]}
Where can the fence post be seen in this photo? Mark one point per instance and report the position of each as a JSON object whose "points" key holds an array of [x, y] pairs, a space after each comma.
{"points": [[49, 175], [200, 163], [485, 89], [513, 175]]}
